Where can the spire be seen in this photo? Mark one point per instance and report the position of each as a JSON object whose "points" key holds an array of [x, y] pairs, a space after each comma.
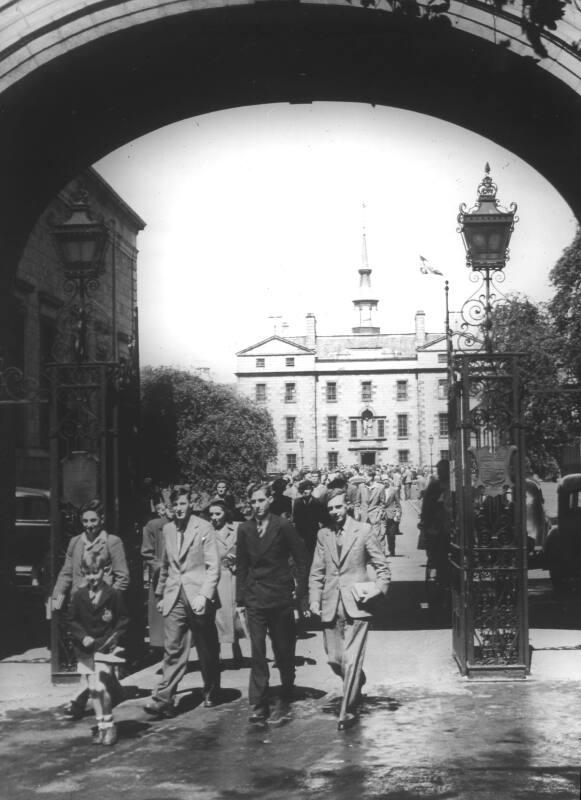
{"points": [[365, 304]]}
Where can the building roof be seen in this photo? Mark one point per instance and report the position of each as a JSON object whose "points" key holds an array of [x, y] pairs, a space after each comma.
{"points": [[383, 345]]}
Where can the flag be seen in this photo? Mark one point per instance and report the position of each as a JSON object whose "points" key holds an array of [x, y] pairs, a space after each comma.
{"points": [[427, 269]]}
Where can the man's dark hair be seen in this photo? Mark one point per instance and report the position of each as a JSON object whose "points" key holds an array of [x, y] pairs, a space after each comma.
{"points": [[335, 493], [305, 485], [92, 505], [260, 487], [180, 491]]}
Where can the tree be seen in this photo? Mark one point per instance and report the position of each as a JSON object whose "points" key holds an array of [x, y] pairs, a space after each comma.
{"points": [[565, 306], [197, 431], [521, 326]]}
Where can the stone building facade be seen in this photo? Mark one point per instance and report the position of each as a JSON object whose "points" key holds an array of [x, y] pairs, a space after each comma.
{"points": [[40, 297], [361, 398]]}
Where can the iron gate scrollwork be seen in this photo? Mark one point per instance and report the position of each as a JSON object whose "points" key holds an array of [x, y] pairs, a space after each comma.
{"points": [[489, 546]]}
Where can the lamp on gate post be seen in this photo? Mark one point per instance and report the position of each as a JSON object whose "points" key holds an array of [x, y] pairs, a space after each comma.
{"points": [[81, 241], [302, 448], [486, 229], [431, 442]]}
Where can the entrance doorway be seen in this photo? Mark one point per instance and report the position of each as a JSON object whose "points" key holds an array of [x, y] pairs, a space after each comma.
{"points": [[368, 459]]}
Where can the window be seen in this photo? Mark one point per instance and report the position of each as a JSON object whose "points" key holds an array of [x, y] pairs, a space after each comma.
{"points": [[332, 460], [331, 392], [442, 358], [260, 392], [366, 391], [445, 455], [291, 461], [403, 456], [290, 393], [443, 389], [290, 362], [443, 424], [259, 362], [381, 429], [353, 424], [291, 428], [402, 390], [402, 427], [331, 427]]}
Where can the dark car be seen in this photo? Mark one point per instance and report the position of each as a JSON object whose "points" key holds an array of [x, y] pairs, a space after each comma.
{"points": [[562, 547], [31, 541]]}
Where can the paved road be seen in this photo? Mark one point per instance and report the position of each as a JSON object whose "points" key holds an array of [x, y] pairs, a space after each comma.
{"points": [[425, 732]]}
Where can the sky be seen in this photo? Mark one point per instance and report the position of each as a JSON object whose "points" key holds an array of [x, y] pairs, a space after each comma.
{"points": [[255, 217]]}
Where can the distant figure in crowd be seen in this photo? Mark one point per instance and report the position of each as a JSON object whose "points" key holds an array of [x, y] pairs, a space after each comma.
{"points": [[308, 516], [186, 591], [227, 622], [98, 620], [338, 574], [152, 553], [93, 540], [407, 479], [371, 502], [392, 518], [225, 496], [264, 588], [280, 503]]}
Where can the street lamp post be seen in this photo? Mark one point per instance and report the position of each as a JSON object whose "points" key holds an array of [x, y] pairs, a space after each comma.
{"points": [[486, 229], [488, 543], [431, 442]]}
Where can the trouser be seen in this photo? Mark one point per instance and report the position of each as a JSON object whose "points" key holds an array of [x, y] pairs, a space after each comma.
{"points": [[391, 531], [345, 639], [407, 491], [182, 628], [279, 623]]}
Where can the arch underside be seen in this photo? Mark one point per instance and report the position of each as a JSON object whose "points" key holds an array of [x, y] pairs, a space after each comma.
{"points": [[82, 105]]}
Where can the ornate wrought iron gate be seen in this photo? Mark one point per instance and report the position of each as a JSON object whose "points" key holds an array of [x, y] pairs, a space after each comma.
{"points": [[489, 547], [94, 408]]}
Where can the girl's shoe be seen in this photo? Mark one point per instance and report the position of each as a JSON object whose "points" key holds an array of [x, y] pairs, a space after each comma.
{"points": [[109, 735], [98, 735]]}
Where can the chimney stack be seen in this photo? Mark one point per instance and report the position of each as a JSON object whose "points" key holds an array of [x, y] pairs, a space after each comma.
{"points": [[311, 331], [420, 328]]}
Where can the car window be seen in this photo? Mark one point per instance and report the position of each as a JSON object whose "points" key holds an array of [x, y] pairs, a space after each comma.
{"points": [[32, 507]]}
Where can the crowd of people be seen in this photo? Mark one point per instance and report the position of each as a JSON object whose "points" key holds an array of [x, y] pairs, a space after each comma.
{"points": [[290, 548]]}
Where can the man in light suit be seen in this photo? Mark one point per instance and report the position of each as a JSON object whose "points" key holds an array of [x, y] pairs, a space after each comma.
{"points": [[186, 592], [341, 557], [264, 588]]}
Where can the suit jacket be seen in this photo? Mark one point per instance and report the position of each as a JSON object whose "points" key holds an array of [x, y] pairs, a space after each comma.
{"points": [[332, 578], [195, 566], [307, 516], [263, 573], [106, 621], [392, 503]]}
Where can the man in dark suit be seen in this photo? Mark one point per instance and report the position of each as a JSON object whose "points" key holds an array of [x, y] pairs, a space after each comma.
{"points": [[186, 592], [308, 516], [264, 588]]}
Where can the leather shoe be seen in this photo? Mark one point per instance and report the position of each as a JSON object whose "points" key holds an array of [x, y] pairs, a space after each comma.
{"points": [[74, 710], [209, 702], [98, 736], [259, 715], [161, 710], [281, 713], [347, 722]]}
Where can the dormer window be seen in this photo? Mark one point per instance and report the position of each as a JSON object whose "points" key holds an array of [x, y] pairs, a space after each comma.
{"points": [[260, 363], [290, 361]]}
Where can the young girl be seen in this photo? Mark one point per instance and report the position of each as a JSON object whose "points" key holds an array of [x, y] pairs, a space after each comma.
{"points": [[98, 619], [93, 539]]}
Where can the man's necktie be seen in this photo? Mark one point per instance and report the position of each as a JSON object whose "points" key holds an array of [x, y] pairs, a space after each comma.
{"points": [[339, 540], [180, 535]]}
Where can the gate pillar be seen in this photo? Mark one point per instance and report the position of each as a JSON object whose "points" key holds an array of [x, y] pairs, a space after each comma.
{"points": [[489, 543]]}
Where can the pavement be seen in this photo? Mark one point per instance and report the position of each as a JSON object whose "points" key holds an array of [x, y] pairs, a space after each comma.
{"points": [[425, 731]]}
